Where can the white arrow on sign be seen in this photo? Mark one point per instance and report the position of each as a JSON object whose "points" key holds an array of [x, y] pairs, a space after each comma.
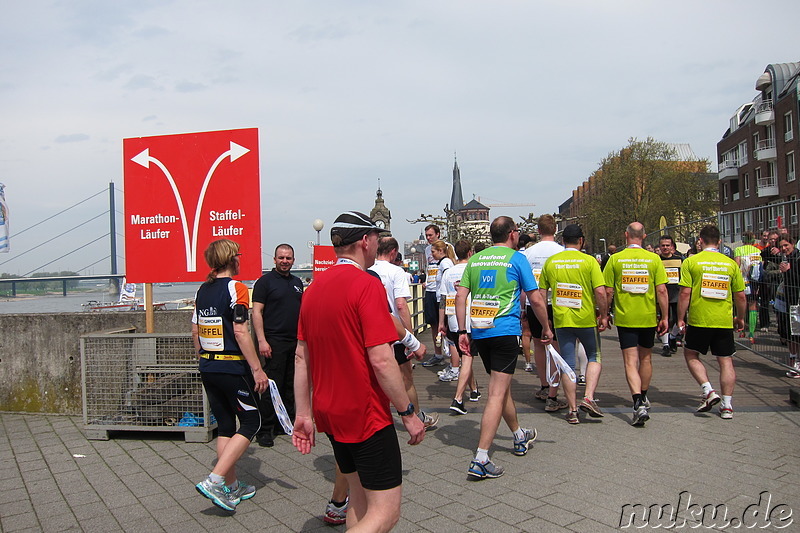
{"points": [[144, 159]]}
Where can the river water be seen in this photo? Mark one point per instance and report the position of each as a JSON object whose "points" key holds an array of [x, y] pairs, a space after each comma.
{"points": [[73, 301]]}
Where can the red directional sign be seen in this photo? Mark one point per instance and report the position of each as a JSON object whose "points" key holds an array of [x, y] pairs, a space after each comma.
{"points": [[324, 258], [183, 192]]}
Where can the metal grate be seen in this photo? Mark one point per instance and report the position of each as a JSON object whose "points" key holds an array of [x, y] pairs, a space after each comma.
{"points": [[139, 381]]}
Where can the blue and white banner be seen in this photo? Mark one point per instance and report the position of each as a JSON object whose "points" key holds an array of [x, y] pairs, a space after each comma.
{"points": [[4, 242]]}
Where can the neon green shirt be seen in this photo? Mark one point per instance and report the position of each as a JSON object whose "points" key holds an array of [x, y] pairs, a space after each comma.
{"points": [[713, 278], [572, 275], [634, 273]]}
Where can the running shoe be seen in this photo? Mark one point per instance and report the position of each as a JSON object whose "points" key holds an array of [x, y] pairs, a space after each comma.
{"points": [[436, 360], [590, 406], [709, 400], [521, 446], [336, 515], [795, 371], [542, 394], [572, 417], [458, 407], [726, 413], [474, 395], [242, 492], [554, 404], [581, 381], [218, 493], [485, 470], [451, 375], [529, 367], [444, 370], [640, 416], [666, 351], [429, 421], [646, 403]]}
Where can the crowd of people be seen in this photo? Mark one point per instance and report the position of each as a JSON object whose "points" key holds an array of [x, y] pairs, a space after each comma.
{"points": [[339, 353]]}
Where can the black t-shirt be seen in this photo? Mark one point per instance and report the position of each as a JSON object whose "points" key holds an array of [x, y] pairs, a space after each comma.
{"points": [[281, 296]]}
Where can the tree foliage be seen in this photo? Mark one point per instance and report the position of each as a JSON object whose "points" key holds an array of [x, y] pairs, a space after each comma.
{"points": [[643, 182]]}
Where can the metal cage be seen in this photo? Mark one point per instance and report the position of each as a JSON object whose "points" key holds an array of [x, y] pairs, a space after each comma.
{"points": [[143, 382]]}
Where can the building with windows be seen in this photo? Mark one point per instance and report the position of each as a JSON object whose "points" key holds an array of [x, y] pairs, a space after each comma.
{"points": [[758, 186]]}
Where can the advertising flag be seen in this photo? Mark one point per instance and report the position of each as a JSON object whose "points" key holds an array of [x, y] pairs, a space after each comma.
{"points": [[4, 243]]}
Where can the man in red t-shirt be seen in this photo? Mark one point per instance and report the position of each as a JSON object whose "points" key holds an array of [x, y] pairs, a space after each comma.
{"points": [[344, 355]]}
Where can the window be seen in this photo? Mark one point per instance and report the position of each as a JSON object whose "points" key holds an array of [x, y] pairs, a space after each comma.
{"points": [[793, 210], [790, 175], [746, 185], [742, 153], [788, 132], [756, 138], [761, 219], [737, 226], [724, 193], [748, 221]]}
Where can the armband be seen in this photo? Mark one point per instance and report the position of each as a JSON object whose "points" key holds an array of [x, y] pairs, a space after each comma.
{"points": [[240, 313], [410, 342]]}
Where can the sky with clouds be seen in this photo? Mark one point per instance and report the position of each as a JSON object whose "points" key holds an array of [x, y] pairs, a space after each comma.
{"points": [[531, 95]]}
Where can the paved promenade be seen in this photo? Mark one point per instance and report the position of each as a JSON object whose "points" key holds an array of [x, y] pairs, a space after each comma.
{"points": [[575, 478]]}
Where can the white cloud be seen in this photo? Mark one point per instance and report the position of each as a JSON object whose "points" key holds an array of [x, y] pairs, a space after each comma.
{"points": [[532, 95]]}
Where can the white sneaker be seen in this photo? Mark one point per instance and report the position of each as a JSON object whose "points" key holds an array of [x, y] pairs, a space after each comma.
{"points": [[528, 367], [450, 375], [445, 371], [795, 371]]}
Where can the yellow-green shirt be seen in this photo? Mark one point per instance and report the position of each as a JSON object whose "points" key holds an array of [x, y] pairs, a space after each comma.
{"points": [[634, 273], [713, 278], [572, 276]]}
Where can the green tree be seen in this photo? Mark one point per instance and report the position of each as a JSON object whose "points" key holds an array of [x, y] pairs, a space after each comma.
{"points": [[643, 182]]}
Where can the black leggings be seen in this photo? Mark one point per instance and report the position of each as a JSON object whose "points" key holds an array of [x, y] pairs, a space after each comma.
{"points": [[232, 396]]}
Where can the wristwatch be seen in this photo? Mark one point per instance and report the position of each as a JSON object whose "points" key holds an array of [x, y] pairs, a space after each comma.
{"points": [[409, 411], [461, 332]]}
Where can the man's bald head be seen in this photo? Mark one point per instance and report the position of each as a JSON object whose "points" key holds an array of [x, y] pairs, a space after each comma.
{"points": [[635, 232]]}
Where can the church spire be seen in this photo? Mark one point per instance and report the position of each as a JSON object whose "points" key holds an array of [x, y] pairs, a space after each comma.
{"points": [[456, 197]]}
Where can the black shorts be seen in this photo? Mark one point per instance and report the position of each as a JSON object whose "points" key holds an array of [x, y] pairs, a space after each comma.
{"points": [[720, 340], [377, 459], [499, 354], [452, 336], [430, 308], [226, 394], [400, 354], [534, 324], [633, 337]]}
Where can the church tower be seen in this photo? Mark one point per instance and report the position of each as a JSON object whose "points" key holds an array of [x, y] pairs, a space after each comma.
{"points": [[380, 214], [456, 197]]}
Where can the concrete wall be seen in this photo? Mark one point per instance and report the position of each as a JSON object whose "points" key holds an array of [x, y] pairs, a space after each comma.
{"points": [[40, 355]]}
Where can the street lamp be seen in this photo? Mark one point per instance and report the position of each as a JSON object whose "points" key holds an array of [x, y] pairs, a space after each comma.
{"points": [[318, 225]]}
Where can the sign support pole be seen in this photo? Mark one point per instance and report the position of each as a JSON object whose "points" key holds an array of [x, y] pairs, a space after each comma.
{"points": [[149, 319]]}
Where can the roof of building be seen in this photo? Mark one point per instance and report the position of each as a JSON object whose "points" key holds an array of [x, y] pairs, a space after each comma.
{"points": [[475, 204], [683, 152]]}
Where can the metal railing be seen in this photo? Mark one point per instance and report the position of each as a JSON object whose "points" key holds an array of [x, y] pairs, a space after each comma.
{"points": [[416, 308], [772, 329]]}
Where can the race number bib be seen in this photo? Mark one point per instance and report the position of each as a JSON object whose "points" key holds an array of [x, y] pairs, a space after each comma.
{"points": [[715, 286], [450, 305], [483, 312], [569, 295], [536, 273], [673, 275], [432, 271], [635, 281], [209, 331]]}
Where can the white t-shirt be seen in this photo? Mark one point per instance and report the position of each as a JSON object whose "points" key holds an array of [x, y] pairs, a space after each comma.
{"points": [[538, 254], [447, 290], [444, 265], [432, 268], [395, 282]]}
